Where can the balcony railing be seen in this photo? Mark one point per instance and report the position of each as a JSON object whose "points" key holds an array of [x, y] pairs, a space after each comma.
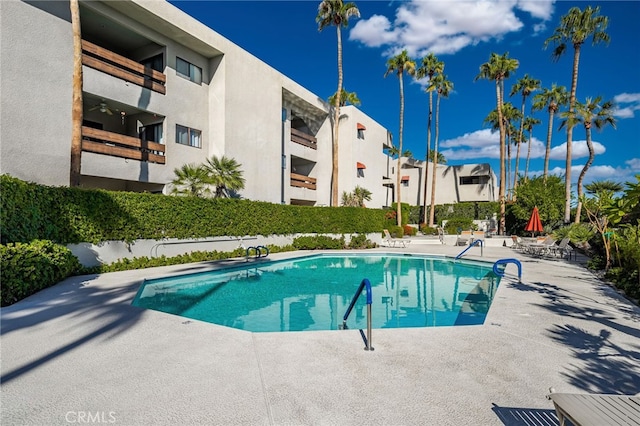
{"points": [[117, 145], [302, 181], [304, 139], [113, 64]]}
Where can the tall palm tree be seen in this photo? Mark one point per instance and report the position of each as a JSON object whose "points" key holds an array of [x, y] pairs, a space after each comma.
{"points": [[190, 180], [224, 173], [552, 99], [400, 64], [430, 66], [596, 113], [509, 114], [441, 159], [336, 12], [525, 86], [529, 122], [498, 69], [345, 98], [575, 27], [443, 87], [76, 100]]}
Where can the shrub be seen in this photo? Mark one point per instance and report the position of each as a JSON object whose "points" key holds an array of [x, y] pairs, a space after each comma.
{"points": [[395, 231], [409, 230], [360, 241], [26, 269], [458, 223], [318, 242]]}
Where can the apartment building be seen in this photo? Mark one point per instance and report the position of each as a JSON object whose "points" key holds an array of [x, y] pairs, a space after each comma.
{"points": [[161, 90]]}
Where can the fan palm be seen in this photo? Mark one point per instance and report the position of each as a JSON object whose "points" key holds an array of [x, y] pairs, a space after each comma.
{"points": [[443, 87], [336, 12], [509, 114], [430, 66], [596, 113], [400, 64], [224, 173], [525, 86], [575, 27], [552, 99], [345, 98], [499, 68], [190, 180]]}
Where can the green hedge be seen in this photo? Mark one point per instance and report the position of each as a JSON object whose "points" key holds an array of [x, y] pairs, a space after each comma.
{"points": [[69, 215], [28, 268]]}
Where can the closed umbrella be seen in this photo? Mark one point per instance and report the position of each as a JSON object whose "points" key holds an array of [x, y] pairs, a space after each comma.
{"points": [[534, 224]]}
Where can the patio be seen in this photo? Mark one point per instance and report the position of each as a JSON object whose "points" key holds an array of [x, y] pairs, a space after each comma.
{"points": [[79, 350]]}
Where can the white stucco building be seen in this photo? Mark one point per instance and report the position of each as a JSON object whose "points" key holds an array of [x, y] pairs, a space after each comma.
{"points": [[161, 90]]}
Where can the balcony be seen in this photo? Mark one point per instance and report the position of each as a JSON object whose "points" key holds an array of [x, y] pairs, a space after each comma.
{"points": [[302, 181], [303, 139], [117, 145], [119, 66]]}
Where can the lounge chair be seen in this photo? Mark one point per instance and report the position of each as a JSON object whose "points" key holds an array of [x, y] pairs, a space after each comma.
{"points": [[463, 238], [478, 235], [542, 247], [596, 409], [517, 243], [391, 242], [563, 249]]}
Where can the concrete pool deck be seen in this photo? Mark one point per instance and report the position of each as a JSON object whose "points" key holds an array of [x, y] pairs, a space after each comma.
{"points": [[79, 352]]}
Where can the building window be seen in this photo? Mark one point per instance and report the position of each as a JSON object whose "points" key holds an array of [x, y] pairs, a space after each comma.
{"points": [[188, 136], [152, 133], [404, 181], [155, 62], [361, 130], [474, 180], [360, 168], [188, 71]]}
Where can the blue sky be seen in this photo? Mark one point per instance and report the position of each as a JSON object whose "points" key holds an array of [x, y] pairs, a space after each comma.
{"points": [[463, 34]]}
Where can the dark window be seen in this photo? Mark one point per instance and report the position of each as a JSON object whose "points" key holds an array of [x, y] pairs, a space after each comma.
{"points": [[474, 180], [188, 70], [188, 136], [152, 133], [154, 62], [360, 133], [92, 124]]}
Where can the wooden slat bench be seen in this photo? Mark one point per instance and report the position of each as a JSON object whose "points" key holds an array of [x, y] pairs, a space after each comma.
{"points": [[596, 409]]}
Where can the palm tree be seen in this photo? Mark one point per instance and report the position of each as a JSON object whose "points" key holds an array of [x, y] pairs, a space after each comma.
{"points": [[430, 66], [356, 198], [591, 113], [529, 122], [443, 87], [190, 180], [399, 64], [336, 12], [603, 186], [525, 86], [509, 114], [575, 27], [224, 173], [345, 98], [76, 102], [552, 99], [498, 69], [432, 155]]}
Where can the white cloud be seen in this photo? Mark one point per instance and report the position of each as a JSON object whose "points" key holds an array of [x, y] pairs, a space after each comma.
{"points": [[634, 164], [602, 172], [626, 105], [446, 27], [579, 149]]}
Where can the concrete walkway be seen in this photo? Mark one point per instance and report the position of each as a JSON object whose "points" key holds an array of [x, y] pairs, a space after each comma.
{"points": [[80, 353]]}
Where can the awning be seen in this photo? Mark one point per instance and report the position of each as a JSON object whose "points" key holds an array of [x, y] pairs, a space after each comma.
{"points": [[360, 166], [405, 178], [361, 127]]}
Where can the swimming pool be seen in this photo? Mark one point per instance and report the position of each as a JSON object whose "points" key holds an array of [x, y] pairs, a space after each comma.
{"points": [[314, 292]]}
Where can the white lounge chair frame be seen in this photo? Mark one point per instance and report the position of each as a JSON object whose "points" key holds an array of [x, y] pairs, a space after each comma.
{"points": [[391, 242], [596, 409]]}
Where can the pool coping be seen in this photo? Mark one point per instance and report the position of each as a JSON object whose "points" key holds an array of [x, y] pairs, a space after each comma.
{"points": [[79, 349]]}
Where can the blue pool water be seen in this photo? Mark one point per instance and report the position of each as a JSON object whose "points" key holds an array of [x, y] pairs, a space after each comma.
{"points": [[314, 292]]}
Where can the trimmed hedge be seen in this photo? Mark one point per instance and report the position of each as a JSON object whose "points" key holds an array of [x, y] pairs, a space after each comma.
{"points": [[26, 269], [70, 215]]}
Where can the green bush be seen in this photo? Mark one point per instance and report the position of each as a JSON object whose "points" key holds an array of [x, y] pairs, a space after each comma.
{"points": [[70, 215], [360, 241], [459, 223], [409, 230], [318, 242], [395, 231], [26, 269], [426, 230], [577, 232]]}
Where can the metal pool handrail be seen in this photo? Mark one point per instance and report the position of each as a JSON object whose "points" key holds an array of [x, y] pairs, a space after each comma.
{"points": [[258, 250], [500, 272], [471, 245], [365, 284]]}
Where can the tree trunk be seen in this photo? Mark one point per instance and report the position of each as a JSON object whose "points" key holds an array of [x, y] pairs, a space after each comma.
{"points": [[432, 213], [336, 126], [398, 173], [426, 168], [583, 172], [503, 177], [76, 102], [572, 104], [547, 152]]}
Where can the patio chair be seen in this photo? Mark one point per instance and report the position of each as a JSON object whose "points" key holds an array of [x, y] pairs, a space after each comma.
{"points": [[517, 243], [391, 242], [563, 249], [541, 247], [478, 235], [463, 238], [596, 409]]}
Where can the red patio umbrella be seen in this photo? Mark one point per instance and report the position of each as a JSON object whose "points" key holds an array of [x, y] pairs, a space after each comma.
{"points": [[534, 224]]}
